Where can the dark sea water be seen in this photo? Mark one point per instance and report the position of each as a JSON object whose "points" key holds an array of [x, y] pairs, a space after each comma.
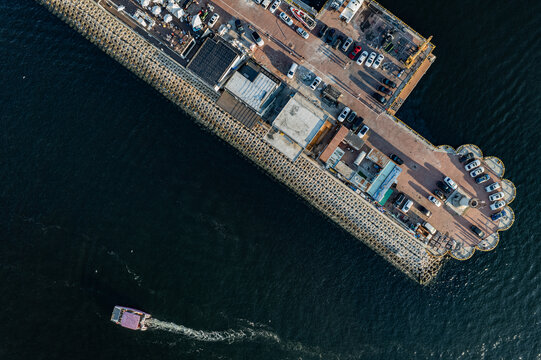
{"points": [[109, 195]]}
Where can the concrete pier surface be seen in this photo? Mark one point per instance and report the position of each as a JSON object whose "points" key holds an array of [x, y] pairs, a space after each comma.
{"points": [[158, 56]]}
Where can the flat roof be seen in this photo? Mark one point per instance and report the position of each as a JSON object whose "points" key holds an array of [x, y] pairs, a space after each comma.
{"points": [[300, 120], [283, 143], [213, 60], [251, 87], [238, 110]]}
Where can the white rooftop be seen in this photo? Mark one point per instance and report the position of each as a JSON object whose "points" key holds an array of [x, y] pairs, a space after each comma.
{"points": [[253, 93], [300, 120]]}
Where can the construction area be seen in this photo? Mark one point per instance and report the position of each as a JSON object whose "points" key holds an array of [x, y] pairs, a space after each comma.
{"points": [[310, 112]]}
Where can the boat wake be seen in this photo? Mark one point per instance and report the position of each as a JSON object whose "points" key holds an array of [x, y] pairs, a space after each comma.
{"points": [[245, 334]]}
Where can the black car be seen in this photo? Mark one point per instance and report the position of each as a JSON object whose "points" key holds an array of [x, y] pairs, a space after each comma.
{"points": [[467, 157], [330, 36], [384, 90], [339, 40], [357, 124], [240, 28], [477, 231], [322, 31], [352, 115], [396, 159], [440, 194], [388, 82], [380, 98], [400, 197], [424, 211], [446, 188]]}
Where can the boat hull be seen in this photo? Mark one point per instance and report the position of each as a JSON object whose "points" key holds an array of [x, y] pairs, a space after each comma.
{"points": [[130, 318]]}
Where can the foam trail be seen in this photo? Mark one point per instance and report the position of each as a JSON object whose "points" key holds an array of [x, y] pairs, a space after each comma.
{"points": [[213, 336]]}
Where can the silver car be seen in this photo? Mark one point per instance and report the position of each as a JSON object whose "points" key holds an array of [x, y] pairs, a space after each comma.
{"points": [[275, 5], [472, 165], [370, 59], [347, 43], [286, 19], [496, 196], [378, 61], [477, 171], [497, 205]]}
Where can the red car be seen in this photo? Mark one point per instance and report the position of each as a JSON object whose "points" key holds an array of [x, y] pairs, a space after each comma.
{"points": [[357, 49]]}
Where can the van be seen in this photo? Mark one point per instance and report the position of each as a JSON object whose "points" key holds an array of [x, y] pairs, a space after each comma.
{"points": [[266, 3], [407, 206], [292, 70], [360, 158], [430, 228]]}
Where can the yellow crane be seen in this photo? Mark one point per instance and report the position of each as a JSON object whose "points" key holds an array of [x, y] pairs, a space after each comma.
{"points": [[409, 62]]}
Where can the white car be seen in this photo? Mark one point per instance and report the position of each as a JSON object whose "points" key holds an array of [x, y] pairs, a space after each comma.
{"points": [[302, 32], [347, 43], [315, 83], [371, 59], [496, 196], [292, 70], [434, 200], [213, 20], [378, 61], [258, 40], [362, 58], [450, 182], [407, 206], [497, 205], [286, 19], [472, 165], [363, 131], [343, 114], [477, 171], [275, 5], [492, 187]]}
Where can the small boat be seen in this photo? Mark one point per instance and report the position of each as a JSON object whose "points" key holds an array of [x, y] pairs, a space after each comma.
{"points": [[130, 318], [303, 17]]}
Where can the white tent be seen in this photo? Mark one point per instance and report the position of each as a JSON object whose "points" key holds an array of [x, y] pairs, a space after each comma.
{"points": [[158, 1], [156, 10], [145, 3], [197, 24], [167, 18]]}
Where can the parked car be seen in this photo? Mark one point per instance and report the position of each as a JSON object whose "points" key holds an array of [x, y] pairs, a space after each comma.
{"points": [[370, 59], [337, 42], [478, 171], [481, 179], [433, 200], [399, 198], [497, 205], [239, 27], [450, 182], [352, 116], [302, 33], [322, 31], [357, 124], [384, 90], [315, 83], [354, 52], [258, 40], [446, 188], [363, 131], [439, 194], [496, 196], [387, 82], [380, 98], [396, 159], [469, 156], [347, 43], [286, 19], [275, 5], [477, 231], [492, 187], [407, 206], [472, 165], [378, 61], [498, 215], [292, 70], [424, 211], [343, 114], [213, 19], [362, 58], [330, 35]]}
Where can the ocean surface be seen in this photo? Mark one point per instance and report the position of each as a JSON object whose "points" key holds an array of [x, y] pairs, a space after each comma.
{"points": [[109, 194]]}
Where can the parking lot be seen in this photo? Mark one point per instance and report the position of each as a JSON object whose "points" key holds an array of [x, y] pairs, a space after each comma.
{"points": [[283, 46]]}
